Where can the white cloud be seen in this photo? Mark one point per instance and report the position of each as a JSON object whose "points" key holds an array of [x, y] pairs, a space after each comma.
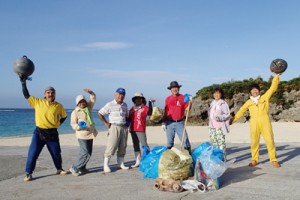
{"points": [[98, 46], [107, 45]]}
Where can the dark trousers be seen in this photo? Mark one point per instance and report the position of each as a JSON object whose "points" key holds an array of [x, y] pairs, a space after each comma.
{"points": [[35, 149]]}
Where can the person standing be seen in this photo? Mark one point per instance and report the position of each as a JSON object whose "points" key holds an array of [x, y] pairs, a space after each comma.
{"points": [[260, 124], [49, 115], [82, 122], [138, 114], [175, 106], [219, 117], [117, 112]]}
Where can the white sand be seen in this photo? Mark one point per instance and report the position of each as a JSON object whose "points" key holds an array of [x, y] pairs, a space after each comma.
{"points": [[284, 132]]}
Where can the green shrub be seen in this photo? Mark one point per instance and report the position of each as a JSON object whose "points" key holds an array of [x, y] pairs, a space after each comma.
{"points": [[233, 87]]}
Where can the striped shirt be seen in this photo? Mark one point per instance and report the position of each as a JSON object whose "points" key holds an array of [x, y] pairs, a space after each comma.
{"points": [[117, 113]]}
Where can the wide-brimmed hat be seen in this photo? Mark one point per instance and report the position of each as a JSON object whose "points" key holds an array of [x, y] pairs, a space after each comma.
{"points": [[138, 95], [174, 84], [79, 98]]}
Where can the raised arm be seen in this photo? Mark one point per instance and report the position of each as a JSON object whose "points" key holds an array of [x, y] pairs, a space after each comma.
{"points": [[24, 87], [150, 107], [92, 100], [274, 86]]}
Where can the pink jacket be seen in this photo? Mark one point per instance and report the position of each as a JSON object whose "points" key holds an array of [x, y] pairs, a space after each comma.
{"points": [[224, 117]]}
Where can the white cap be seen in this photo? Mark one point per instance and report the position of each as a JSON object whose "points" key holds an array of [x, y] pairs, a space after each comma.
{"points": [[79, 98], [138, 94]]}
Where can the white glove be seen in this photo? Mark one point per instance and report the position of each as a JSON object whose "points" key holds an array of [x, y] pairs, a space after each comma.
{"points": [[164, 127], [191, 98]]}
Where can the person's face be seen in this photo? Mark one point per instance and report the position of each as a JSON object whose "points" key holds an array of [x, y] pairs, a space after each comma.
{"points": [[217, 95], [138, 101], [82, 103], [119, 98], [49, 95], [254, 92], [175, 91]]}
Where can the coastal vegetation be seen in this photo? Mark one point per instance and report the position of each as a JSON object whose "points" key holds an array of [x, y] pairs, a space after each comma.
{"points": [[234, 87]]}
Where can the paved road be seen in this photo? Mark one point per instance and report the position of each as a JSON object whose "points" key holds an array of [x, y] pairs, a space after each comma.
{"points": [[239, 181]]}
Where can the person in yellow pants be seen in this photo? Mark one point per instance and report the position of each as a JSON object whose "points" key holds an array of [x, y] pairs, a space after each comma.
{"points": [[260, 123]]}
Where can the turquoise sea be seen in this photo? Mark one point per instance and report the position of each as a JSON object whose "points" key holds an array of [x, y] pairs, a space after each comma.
{"points": [[15, 122]]}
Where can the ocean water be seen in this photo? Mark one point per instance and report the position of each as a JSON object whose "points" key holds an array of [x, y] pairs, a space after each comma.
{"points": [[17, 122]]}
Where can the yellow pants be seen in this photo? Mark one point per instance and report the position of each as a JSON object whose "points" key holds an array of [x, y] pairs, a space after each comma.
{"points": [[262, 126]]}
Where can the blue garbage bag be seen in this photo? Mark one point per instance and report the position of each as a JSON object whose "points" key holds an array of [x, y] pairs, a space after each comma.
{"points": [[145, 152], [210, 161], [149, 164], [198, 151]]}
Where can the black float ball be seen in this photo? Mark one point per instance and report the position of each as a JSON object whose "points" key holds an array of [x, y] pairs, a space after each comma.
{"points": [[278, 66]]}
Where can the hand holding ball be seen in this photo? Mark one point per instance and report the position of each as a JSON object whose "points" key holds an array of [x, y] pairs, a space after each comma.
{"points": [[278, 66]]}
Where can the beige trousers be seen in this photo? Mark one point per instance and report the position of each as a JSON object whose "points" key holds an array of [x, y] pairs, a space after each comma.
{"points": [[116, 141]]}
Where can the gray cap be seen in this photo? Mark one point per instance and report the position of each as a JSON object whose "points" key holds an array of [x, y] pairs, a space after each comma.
{"points": [[50, 88]]}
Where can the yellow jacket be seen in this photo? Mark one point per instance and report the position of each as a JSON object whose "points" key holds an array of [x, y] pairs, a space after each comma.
{"points": [[262, 108]]}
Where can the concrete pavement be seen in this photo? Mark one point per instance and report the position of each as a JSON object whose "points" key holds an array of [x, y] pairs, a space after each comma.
{"points": [[239, 181]]}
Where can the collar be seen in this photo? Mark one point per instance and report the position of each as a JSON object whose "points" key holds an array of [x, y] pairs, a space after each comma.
{"points": [[137, 107], [117, 102], [255, 99]]}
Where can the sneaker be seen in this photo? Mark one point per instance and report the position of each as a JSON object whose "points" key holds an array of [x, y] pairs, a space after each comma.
{"points": [[61, 172], [28, 177], [74, 172]]}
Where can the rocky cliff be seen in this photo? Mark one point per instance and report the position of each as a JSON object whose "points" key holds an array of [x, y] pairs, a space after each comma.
{"points": [[288, 111]]}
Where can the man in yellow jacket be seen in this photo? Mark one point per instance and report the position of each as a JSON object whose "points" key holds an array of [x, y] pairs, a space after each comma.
{"points": [[260, 123]]}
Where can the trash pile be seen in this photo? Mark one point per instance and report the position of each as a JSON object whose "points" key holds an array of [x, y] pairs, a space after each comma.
{"points": [[176, 170]]}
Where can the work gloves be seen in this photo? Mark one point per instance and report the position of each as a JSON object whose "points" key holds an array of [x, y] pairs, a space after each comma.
{"points": [[187, 98], [164, 127]]}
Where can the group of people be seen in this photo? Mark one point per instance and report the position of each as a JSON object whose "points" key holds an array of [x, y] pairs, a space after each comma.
{"points": [[49, 115]]}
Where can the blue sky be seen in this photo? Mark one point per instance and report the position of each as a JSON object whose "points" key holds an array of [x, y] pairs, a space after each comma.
{"points": [[143, 45]]}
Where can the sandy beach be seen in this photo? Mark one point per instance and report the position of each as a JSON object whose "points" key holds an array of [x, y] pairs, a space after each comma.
{"points": [[239, 181], [239, 133]]}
